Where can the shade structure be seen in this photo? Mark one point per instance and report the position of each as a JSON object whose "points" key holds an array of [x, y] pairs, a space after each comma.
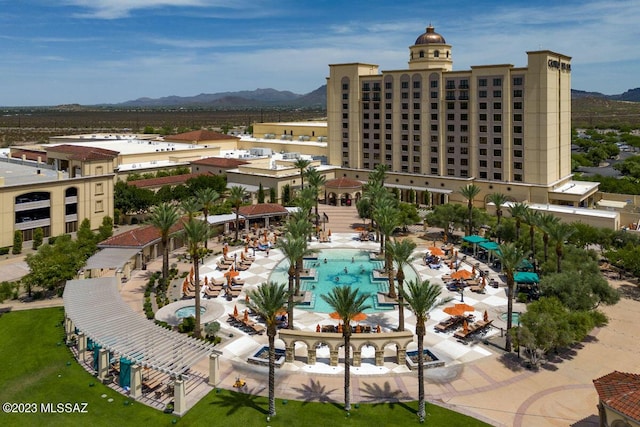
{"points": [[435, 251], [235, 311], [526, 277], [474, 239], [458, 309], [462, 274], [231, 273], [358, 317], [525, 265]]}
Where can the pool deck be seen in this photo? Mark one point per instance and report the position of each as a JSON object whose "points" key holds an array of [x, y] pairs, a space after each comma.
{"points": [[479, 380]]}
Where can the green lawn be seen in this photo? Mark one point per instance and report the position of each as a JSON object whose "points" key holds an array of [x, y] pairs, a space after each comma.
{"points": [[36, 367]]}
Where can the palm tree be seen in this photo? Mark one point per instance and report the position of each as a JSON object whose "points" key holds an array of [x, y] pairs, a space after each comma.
{"points": [[292, 247], [498, 199], [196, 233], [236, 197], [510, 257], [386, 216], [401, 254], [207, 198], [422, 297], [469, 192], [302, 164], [267, 300], [559, 233], [164, 217], [347, 303], [191, 207], [546, 222], [316, 181], [518, 211], [531, 218]]}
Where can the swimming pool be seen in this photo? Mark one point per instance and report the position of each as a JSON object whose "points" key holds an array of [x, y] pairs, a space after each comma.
{"points": [[350, 267]]}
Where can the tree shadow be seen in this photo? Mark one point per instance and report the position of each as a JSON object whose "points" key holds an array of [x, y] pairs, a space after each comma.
{"points": [[374, 393], [629, 291], [235, 401], [512, 361], [376, 319], [590, 421], [314, 392]]}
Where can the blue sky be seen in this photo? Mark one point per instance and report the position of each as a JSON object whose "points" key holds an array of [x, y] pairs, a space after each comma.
{"points": [[109, 51]]}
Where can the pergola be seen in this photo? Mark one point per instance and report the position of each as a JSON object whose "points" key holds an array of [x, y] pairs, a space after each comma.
{"points": [[94, 308]]}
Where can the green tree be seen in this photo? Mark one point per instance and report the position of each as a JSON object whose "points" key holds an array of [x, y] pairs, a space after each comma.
{"points": [[286, 195], [207, 198], [196, 233], [531, 219], [386, 216], [347, 303], [164, 218], [215, 182], [422, 297], [131, 199], [559, 233], [268, 299], [86, 239], [236, 197], [106, 229], [579, 290], [401, 254], [17, 242], [38, 237], [510, 257], [301, 164], [499, 200], [518, 211], [273, 198], [292, 247], [469, 192], [546, 222], [448, 217], [316, 181], [260, 193]]}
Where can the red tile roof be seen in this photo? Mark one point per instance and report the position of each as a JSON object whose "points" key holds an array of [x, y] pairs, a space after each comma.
{"points": [[138, 237], [29, 154], [200, 136], [263, 209], [621, 392], [165, 180], [79, 152], [220, 162], [343, 183]]}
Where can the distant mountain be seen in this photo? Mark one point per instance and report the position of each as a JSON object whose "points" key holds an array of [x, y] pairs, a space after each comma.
{"points": [[632, 95], [254, 98]]}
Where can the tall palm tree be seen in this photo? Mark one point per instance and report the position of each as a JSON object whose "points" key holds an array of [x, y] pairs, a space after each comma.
{"points": [[518, 211], [164, 217], [559, 233], [292, 247], [236, 197], [268, 299], [386, 216], [498, 199], [196, 233], [546, 222], [401, 254], [207, 198], [422, 297], [302, 164], [531, 219], [347, 303], [469, 192], [191, 207], [510, 257], [316, 181]]}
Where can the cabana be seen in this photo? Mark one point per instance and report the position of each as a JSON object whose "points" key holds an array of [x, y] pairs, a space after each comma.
{"points": [[526, 277], [491, 248], [474, 240]]}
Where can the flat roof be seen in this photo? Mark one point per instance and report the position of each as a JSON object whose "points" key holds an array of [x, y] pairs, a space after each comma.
{"points": [[310, 123], [576, 188], [27, 172], [295, 141], [134, 146], [599, 213]]}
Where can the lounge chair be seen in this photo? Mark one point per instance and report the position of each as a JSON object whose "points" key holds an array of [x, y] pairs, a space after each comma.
{"points": [[479, 289], [212, 293], [237, 281]]}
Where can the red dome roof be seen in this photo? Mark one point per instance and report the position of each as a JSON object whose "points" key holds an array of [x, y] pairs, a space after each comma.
{"points": [[430, 37]]}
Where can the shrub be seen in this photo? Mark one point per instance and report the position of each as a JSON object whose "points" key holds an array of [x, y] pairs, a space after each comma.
{"points": [[188, 325], [5, 250], [38, 237], [17, 242], [522, 297]]}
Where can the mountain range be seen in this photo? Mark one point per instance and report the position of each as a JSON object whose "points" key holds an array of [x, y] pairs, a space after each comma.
{"points": [[315, 99]]}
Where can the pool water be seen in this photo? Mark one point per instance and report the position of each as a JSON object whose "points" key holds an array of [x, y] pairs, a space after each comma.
{"points": [[351, 267], [515, 318], [189, 311]]}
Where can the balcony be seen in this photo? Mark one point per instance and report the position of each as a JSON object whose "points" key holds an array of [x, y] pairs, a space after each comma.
{"points": [[37, 204], [28, 223], [71, 199]]}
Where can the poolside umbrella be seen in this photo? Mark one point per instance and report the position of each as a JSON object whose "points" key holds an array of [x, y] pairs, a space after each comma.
{"points": [[191, 275], [436, 251], [473, 270], [444, 238], [358, 329], [358, 317], [317, 328], [225, 249], [246, 247], [378, 330], [335, 315], [465, 327], [339, 328], [485, 316], [246, 316], [206, 281], [246, 298], [461, 274], [231, 274], [458, 309], [235, 311]]}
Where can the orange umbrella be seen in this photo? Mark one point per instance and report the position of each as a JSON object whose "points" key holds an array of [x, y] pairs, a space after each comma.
{"points": [[485, 316], [335, 315], [184, 286], [242, 256], [339, 327], [359, 317], [235, 311], [465, 326], [317, 328], [206, 281], [246, 298], [473, 270], [458, 309], [225, 250], [462, 274], [378, 329], [358, 329], [444, 238], [246, 316], [436, 251], [329, 233]]}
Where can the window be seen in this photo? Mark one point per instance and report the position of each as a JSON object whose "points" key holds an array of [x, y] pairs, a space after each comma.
{"points": [[404, 158], [365, 116], [365, 155], [451, 116], [464, 162], [434, 94], [451, 128], [497, 117], [464, 117], [483, 163], [345, 86], [464, 139], [433, 84], [434, 160], [451, 172], [434, 117], [387, 116], [464, 128], [388, 95], [434, 128], [464, 105], [517, 177], [517, 129], [517, 81], [345, 135], [405, 116], [99, 170], [464, 84], [497, 82], [497, 106], [434, 105], [366, 165], [497, 164], [451, 94], [387, 106], [376, 146], [451, 161], [365, 145], [483, 151], [416, 116], [517, 117], [517, 165], [376, 125], [483, 175], [483, 105], [388, 85], [517, 153], [345, 96], [434, 138], [388, 126], [497, 175], [517, 105], [365, 135], [416, 148], [376, 87], [416, 85], [404, 85], [405, 106], [365, 87], [99, 206], [483, 140], [416, 95], [483, 117], [483, 128], [451, 84], [405, 126], [451, 139], [345, 115], [434, 149], [482, 82], [416, 169], [517, 141], [388, 157], [387, 136], [416, 126], [517, 93], [497, 94], [497, 153], [482, 94], [451, 150], [365, 125], [464, 150], [345, 125], [436, 54], [416, 105], [387, 147], [405, 95], [451, 105], [99, 188]]}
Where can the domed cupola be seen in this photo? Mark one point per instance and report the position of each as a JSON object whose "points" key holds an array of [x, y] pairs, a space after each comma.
{"points": [[430, 51]]}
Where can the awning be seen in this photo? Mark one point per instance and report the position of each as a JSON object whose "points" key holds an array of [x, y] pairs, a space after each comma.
{"points": [[526, 277], [474, 239], [490, 246], [109, 258], [222, 219]]}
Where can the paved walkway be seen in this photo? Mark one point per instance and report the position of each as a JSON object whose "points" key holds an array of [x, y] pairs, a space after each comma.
{"points": [[478, 379]]}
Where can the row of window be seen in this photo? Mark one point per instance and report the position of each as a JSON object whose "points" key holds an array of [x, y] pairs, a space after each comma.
{"points": [[450, 84]]}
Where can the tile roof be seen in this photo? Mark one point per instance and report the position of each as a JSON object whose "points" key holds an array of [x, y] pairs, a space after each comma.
{"points": [[165, 180], [220, 162], [138, 237], [29, 154], [620, 391], [262, 209], [343, 183], [200, 136], [79, 152]]}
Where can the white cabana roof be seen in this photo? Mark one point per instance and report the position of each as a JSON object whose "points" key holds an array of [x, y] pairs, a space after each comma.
{"points": [[97, 310], [110, 258], [222, 218]]}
